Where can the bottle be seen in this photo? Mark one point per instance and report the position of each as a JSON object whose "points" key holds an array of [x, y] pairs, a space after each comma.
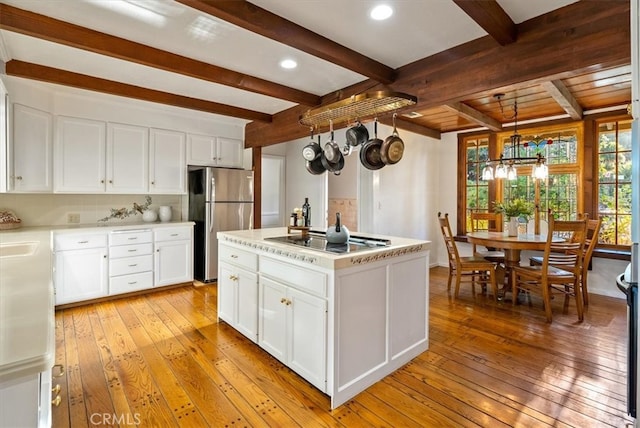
{"points": [[306, 212]]}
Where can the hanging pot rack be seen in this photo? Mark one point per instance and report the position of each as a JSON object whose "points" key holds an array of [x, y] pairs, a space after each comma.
{"points": [[369, 104]]}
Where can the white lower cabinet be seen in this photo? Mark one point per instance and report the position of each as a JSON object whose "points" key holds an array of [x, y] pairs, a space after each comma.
{"points": [[238, 299], [173, 262], [81, 266], [293, 328], [26, 401]]}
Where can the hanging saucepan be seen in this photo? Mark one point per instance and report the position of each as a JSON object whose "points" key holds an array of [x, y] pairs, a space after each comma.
{"points": [[315, 166], [331, 149], [392, 147], [357, 134], [370, 151], [334, 167], [312, 150]]}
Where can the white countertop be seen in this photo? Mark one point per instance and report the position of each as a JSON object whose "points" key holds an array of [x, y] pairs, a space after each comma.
{"points": [[27, 322], [255, 239]]}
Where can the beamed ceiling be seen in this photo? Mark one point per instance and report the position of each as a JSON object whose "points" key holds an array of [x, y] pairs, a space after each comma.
{"points": [[558, 58]]}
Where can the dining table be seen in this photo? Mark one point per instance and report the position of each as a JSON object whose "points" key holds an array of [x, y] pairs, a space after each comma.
{"points": [[512, 247]]}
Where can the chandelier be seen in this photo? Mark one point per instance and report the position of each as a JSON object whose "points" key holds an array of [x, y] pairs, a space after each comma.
{"points": [[505, 167]]}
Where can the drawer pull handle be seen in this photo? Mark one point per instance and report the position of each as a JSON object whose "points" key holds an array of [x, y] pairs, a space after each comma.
{"points": [[233, 277], [133, 265], [83, 242], [56, 389], [132, 251], [132, 238], [60, 367], [233, 256], [56, 401], [174, 234], [132, 283], [283, 300], [288, 303]]}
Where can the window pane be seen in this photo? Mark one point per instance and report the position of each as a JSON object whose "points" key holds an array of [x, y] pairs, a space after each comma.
{"points": [[624, 230], [608, 230], [624, 135], [624, 199], [607, 168], [624, 166], [607, 198]]}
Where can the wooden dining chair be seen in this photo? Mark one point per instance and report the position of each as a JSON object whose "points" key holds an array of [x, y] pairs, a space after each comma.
{"points": [[473, 269], [493, 223], [590, 242], [561, 266]]}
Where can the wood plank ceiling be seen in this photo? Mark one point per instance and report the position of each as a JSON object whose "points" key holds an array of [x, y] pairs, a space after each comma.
{"points": [[565, 62]]}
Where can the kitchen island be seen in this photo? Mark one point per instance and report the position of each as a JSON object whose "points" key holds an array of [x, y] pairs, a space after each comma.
{"points": [[341, 320]]}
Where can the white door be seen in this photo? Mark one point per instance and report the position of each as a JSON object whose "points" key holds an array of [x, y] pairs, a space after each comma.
{"points": [[272, 320], [127, 158], [229, 152], [247, 303], [173, 262], [32, 146], [81, 275], [227, 284], [273, 191], [168, 166]]}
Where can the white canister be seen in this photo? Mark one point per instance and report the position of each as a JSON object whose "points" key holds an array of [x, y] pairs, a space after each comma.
{"points": [[165, 213], [149, 215]]}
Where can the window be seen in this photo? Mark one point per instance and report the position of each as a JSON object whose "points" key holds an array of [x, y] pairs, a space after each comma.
{"points": [[560, 145], [614, 182], [477, 190]]}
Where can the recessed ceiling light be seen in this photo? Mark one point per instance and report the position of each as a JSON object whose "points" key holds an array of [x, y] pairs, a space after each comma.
{"points": [[381, 12], [288, 63]]}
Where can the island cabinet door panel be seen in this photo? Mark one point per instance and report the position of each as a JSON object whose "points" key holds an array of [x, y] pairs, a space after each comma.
{"points": [[361, 323], [307, 332], [272, 319], [408, 305], [247, 304], [227, 294]]}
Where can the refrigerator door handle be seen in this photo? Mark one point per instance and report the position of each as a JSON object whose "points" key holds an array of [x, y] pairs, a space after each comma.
{"points": [[212, 189], [211, 215]]}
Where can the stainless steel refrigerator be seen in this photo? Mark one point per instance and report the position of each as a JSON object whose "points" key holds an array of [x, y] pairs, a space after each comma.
{"points": [[220, 199]]}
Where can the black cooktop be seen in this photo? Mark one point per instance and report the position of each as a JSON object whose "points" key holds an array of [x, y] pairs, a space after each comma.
{"points": [[317, 241]]}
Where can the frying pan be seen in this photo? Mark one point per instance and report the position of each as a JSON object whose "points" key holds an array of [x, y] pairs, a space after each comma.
{"points": [[331, 149], [370, 152], [393, 147]]}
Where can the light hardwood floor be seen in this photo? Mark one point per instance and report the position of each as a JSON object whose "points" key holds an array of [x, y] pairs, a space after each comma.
{"points": [[163, 360]]}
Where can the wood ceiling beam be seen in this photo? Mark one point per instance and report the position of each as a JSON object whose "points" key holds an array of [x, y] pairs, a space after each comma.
{"points": [[582, 37], [475, 116], [492, 18], [411, 127], [564, 98], [62, 77], [44, 27], [258, 20]]}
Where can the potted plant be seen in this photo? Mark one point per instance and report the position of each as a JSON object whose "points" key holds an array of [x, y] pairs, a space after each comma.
{"points": [[513, 210]]}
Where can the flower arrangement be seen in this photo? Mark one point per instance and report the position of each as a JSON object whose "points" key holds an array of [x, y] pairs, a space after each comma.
{"points": [[514, 208], [121, 213]]}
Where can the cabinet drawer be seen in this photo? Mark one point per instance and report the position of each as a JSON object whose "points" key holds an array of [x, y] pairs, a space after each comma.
{"points": [[301, 278], [65, 241], [172, 233], [238, 257], [129, 265], [130, 250], [129, 237], [128, 283]]}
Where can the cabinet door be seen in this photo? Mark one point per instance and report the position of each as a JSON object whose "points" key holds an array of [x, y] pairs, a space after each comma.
{"points": [[247, 304], [307, 331], [201, 150], [173, 262], [4, 137], [167, 165], [227, 296], [272, 320], [79, 155], [127, 158], [229, 152], [80, 274], [32, 149], [19, 402]]}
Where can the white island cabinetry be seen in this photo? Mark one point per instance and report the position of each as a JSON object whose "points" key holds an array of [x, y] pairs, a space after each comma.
{"points": [[341, 321]]}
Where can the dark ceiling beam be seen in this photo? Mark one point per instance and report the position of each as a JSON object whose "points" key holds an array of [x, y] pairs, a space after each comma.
{"points": [[492, 18], [81, 81], [564, 98], [53, 30], [255, 19], [582, 37], [475, 116]]}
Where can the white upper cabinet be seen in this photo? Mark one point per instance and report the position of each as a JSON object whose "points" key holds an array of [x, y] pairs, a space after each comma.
{"points": [[167, 162], [30, 164], [127, 158], [214, 151], [4, 136], [79, 155]]}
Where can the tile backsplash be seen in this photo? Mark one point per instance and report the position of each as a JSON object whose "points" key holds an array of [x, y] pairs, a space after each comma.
{"points": [[55, 209]]}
